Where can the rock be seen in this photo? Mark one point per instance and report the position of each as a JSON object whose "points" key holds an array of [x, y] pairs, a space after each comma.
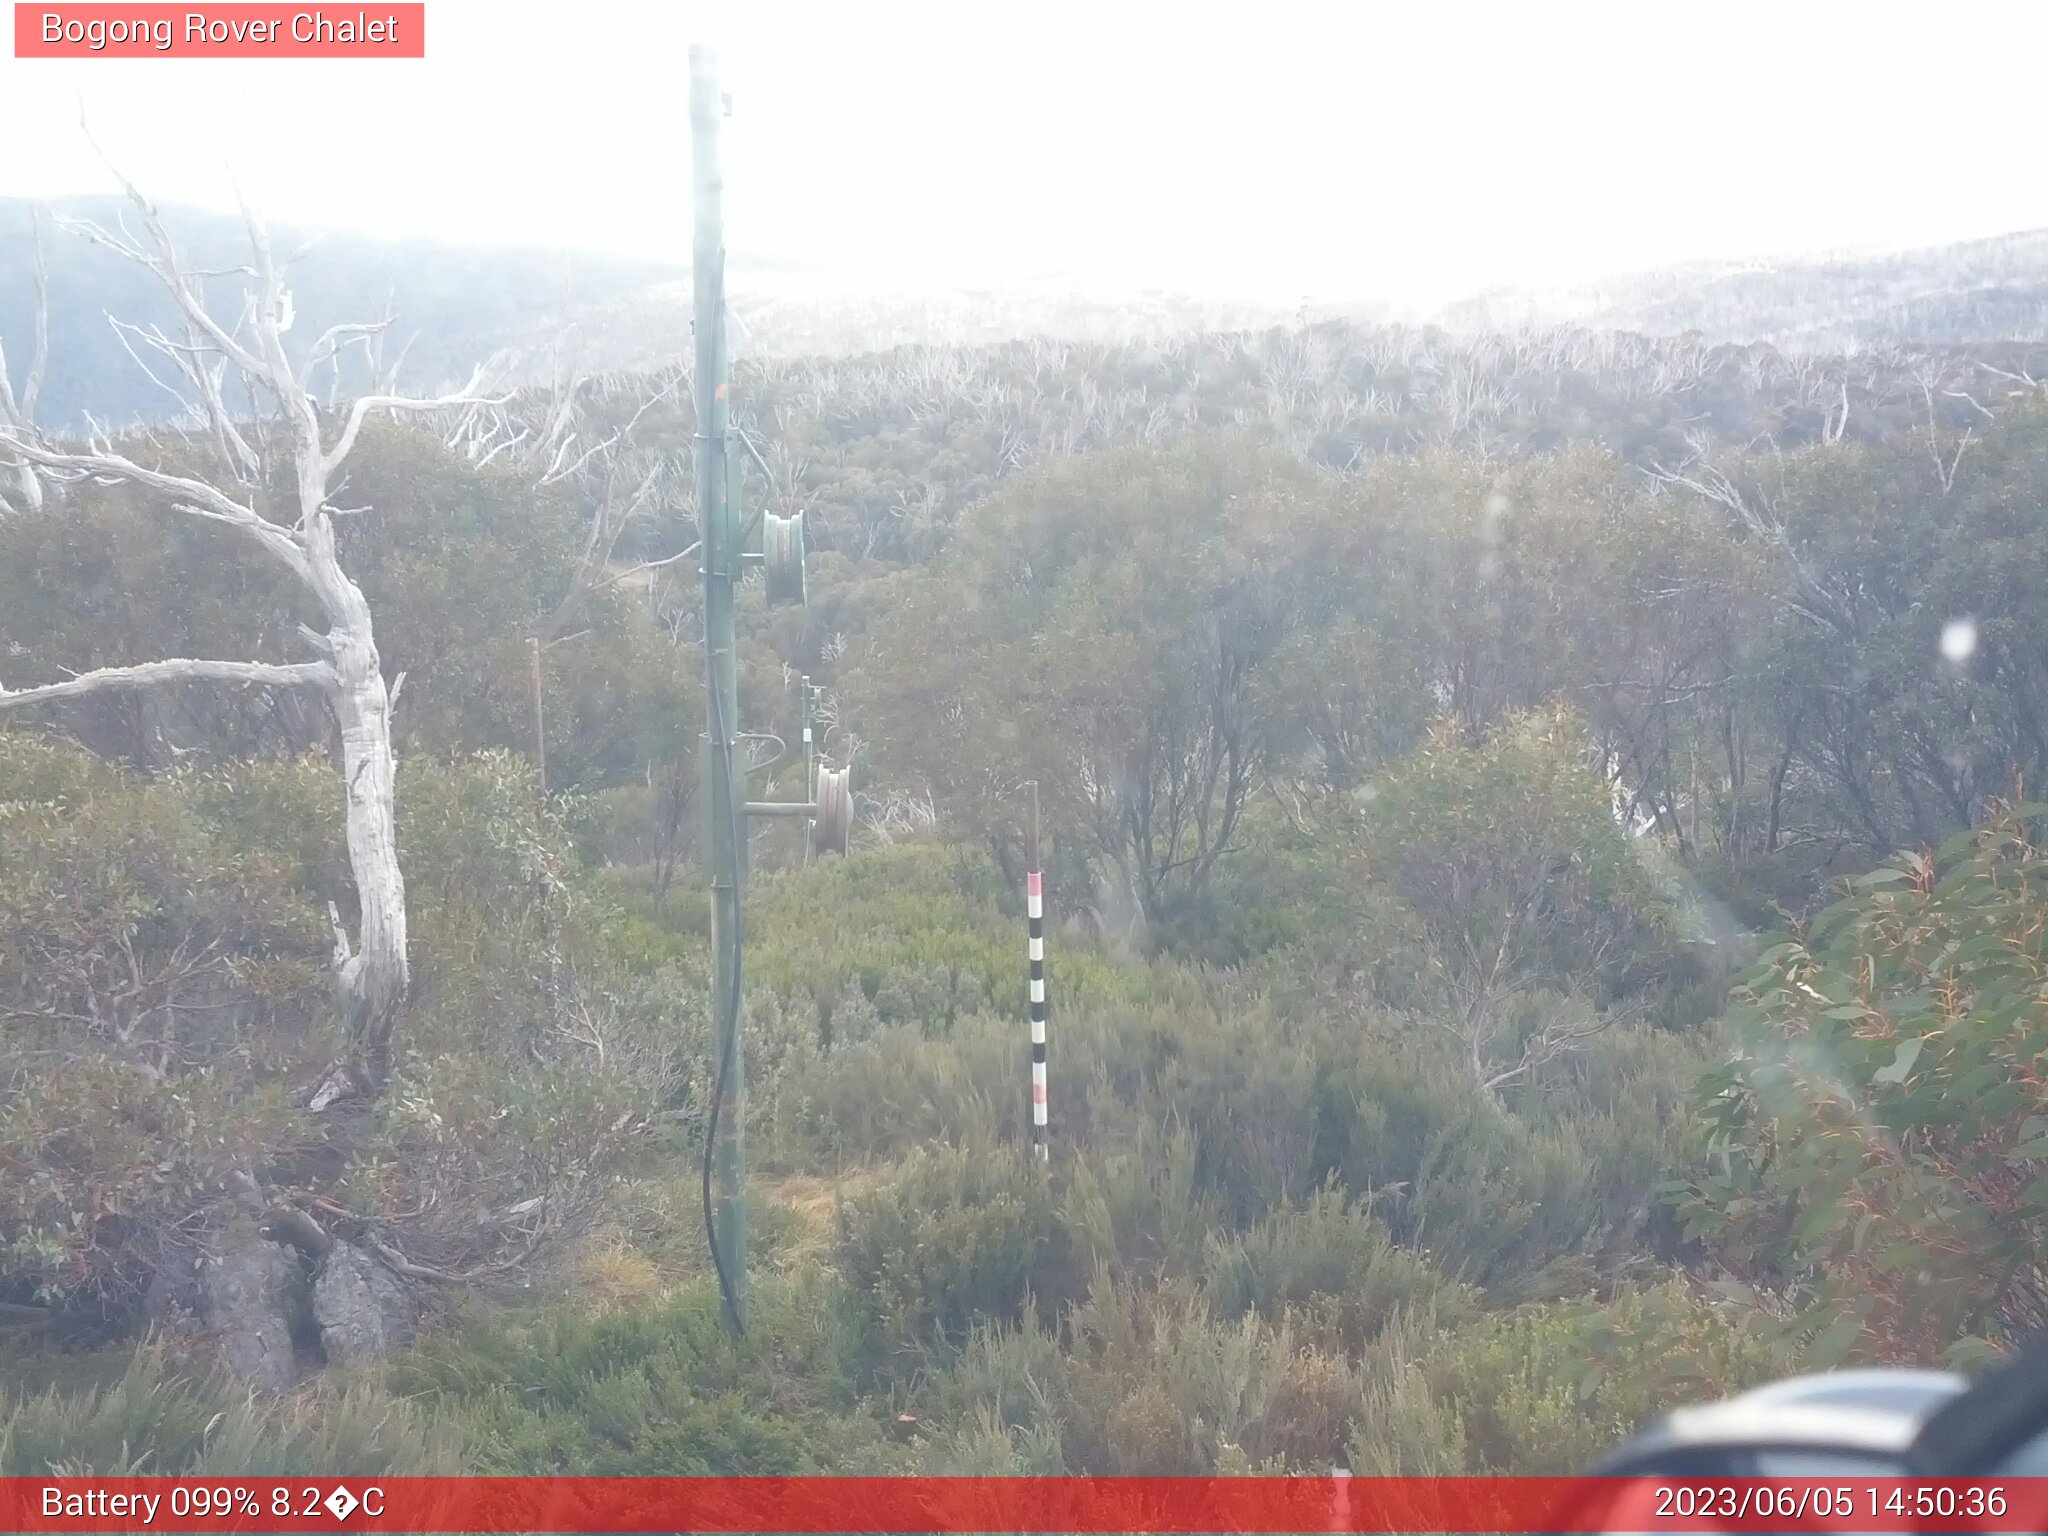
{"points": [[362, 1308], [176, 1293], [248, 1295]]}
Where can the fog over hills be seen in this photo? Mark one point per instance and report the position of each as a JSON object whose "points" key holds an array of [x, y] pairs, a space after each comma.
{"points": [[454, 305], [1968, 292], [540, 310]]}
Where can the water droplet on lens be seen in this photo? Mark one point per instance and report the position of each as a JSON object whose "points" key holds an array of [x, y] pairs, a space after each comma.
{"points": [[1959, 639]]}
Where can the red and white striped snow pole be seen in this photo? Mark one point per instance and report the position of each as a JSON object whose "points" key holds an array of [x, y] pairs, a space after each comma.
{"points": [[1034, 911]]}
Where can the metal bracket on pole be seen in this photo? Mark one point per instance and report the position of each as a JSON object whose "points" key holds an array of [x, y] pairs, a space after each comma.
{"points": [[829, 811]]}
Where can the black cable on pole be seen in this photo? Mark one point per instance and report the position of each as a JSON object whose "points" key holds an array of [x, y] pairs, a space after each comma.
{"points": [[729, 1028]]}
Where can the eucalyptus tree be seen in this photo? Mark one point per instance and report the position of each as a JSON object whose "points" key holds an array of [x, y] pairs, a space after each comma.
{"points": [[1109, 626]]}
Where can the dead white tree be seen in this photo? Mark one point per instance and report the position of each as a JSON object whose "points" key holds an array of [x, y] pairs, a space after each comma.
{"points": [[619, 480], [1929, 377], [18, 410], [248, 356]]}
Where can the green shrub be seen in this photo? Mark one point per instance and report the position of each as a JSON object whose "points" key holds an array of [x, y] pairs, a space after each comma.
{"points": [[530, 1068], [1544, 1196], [1508, 852], [1246, 1090], [955, 1240], [158, 1421], [1134, 1209], [880, 1098], [918, 929], [1877, 1140], [655, 1390], [1331, 1264], [1549, 1389], [1146, 1381], [162, 983], [163, 972]]}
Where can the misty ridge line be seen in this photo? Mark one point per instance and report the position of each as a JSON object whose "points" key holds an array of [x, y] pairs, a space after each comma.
{"points": [[554, 310]]}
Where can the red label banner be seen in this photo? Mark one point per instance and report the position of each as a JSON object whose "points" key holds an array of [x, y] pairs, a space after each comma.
{"points": [[236, 31]]}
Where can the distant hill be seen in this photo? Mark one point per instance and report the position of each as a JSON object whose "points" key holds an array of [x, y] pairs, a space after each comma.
{"points": [[1975, 291], [455, 305], [458, 305]]}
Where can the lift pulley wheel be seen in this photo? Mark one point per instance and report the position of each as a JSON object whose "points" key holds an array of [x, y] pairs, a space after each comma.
{"points": [[833, 825], [782, 556]]}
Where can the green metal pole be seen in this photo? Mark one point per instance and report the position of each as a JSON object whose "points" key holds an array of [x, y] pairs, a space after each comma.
{"points": [[724, 792]]}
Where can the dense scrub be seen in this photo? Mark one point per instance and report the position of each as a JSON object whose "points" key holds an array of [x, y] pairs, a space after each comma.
{"points": [[1408, 828]]}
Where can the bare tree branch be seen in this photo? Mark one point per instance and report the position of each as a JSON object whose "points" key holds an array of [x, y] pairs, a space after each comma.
{"points": [[359, 412], [1703, 478], [150, 674], [193, 496], [608, 521], [645, 566], [333, 341]]}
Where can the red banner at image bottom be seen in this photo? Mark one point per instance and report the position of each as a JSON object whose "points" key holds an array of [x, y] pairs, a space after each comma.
{"points": [[1019, 1504]]}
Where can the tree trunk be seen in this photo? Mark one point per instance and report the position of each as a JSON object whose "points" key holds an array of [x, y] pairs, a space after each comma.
{"points": [[376, 983], [373, 983]]}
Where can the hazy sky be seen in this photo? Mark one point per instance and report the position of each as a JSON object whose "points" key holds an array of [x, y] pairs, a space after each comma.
{"points": [[1336, 151]]}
